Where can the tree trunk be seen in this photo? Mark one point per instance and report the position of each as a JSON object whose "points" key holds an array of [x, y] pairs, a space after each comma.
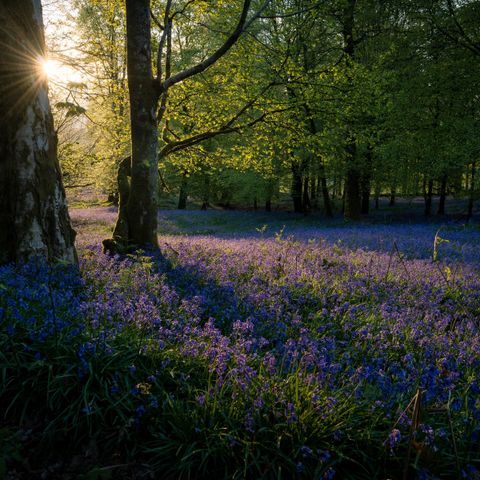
{"points": [[138, 220], [142, 202], [327, 204], [366, 181], [471, 198], [443, 196], [123, 181], [428, 193], [270, 189], [34, 220], [206, 193], [307, 206], [297, 185], [183, 195], [352, 195], [393, 195], [377, 195]]}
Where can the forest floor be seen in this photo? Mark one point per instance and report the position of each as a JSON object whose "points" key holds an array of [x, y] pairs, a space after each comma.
{"points": [[260, 345]]}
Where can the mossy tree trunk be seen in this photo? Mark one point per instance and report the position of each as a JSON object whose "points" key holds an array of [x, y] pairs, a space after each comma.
{"points": [[34, 219]]}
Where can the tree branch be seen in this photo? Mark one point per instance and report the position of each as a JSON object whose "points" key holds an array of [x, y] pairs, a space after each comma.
{"points": [[161, 44], [173, 147], [242, 25]]}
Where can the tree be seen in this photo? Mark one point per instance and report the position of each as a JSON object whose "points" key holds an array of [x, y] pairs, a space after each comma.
{"points": [[137, 217], [34, 220]]}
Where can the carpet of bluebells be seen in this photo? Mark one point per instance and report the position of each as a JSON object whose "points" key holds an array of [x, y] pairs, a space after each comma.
{"points": [[295, 351]]}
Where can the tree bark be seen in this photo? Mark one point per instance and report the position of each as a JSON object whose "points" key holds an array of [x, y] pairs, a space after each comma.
{"points": [[34, 219], [142, 202]]}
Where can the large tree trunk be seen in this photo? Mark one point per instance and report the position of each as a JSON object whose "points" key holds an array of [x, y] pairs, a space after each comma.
{"points": [[142, 203], [138, 220], [34, 220]]}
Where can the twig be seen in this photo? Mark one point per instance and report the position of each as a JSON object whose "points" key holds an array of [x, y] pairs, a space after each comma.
{"points": [[413, 428]]}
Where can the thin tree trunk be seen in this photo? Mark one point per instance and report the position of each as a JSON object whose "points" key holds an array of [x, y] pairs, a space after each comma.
{"points": [[123, 181], [307, 206], [471, 198], [206, 193], [428, 193], [377, 195], [366, 181], [443, 196], [183, 195], [352, 207], [297, 185], [313, 191], [269, 192], [34, 219], [393, 196], [327, 203]]}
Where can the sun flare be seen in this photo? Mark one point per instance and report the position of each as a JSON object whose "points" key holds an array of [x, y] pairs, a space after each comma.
{"points": [[58, 72], [50, 68]]}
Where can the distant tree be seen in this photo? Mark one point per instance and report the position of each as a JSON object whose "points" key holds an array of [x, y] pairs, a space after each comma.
{"points": [[34, 220]]}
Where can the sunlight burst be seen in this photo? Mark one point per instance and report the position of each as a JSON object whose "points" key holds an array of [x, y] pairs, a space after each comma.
{"points": [[50, 68], [57, 71]]}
